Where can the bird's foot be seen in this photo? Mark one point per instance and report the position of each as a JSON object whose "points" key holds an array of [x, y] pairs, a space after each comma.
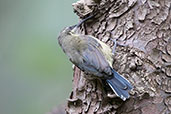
{"points": [[115, 42]]}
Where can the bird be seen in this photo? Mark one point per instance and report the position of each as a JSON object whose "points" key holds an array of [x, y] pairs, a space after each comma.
{"points": [[93, 57]]}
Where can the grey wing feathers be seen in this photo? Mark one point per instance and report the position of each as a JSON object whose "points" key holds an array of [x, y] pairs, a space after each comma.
{"points": [[94, 61]]}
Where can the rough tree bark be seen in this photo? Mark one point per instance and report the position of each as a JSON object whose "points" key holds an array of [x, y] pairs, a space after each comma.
{"points": [[144, 27]]}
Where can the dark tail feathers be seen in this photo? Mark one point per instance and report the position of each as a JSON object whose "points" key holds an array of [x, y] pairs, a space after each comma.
{"points": [[120, 85]]}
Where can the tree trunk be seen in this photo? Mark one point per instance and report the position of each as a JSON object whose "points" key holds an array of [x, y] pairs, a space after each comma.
{"points": [[143, 28]]}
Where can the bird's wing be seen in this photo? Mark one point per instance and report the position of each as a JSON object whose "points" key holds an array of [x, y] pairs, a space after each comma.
{"points": [[93, 59], [104, 48]]}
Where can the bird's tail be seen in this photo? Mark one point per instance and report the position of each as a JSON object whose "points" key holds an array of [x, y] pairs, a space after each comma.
{"points": [[120, 85]]}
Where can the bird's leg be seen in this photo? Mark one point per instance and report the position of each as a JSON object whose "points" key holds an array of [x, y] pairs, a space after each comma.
{"points": [[115, 44]]}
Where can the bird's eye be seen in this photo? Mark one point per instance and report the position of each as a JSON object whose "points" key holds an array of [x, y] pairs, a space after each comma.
{"points": [[70, 27]]}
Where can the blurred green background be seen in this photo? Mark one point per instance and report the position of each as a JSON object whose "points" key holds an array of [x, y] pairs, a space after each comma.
{"points": [[35, 75]]}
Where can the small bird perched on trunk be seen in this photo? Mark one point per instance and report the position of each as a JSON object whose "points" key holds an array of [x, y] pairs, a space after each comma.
{"points": [[93, 57]]}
